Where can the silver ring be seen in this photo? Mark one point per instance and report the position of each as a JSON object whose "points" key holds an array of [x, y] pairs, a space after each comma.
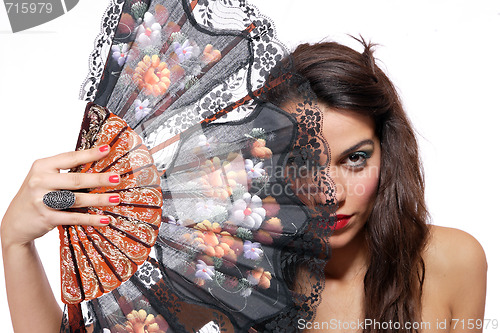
{"points": [[59, 199]]}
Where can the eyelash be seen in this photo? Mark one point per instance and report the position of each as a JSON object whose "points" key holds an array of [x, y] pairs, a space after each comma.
{"points": [[356, 165]]}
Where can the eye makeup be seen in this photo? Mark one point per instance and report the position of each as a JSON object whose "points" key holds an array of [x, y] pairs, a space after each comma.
{"points": [[357, 146], [356, 158]]}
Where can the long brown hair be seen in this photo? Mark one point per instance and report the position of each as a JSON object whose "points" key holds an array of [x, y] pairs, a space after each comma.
{"points": [[396, 231]]}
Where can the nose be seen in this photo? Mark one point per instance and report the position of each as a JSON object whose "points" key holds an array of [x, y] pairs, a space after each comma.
{"points": [[338, 184], [340, 193], [331, 192]]}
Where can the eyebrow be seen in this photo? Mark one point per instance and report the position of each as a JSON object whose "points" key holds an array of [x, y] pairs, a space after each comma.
{"points": [[357, 146]]}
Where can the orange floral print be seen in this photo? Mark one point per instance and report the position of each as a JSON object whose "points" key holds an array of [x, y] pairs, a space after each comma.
{"points": [[218, 184], [212, 241], [260, 277], [264, 237], [271, 206], [273, 225], [260, 150], [152, 75], [142, 322], [210, 54]]}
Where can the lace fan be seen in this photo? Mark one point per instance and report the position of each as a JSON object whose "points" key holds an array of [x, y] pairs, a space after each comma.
{"points": [[190, 134]]}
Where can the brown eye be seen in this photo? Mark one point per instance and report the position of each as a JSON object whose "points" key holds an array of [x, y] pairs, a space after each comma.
{"points": [[356, 160]]}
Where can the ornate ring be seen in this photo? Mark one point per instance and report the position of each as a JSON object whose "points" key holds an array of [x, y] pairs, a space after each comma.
{"points": [[59, 199]]}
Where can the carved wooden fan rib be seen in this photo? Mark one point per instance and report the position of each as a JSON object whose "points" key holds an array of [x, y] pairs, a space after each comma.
{"points": [[96, 260]]}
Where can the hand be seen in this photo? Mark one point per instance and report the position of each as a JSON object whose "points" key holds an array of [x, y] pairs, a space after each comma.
{"points": [[27, 217]]}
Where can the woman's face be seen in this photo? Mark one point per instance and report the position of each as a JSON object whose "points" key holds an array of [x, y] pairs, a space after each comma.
{"points": [[354, 168]]}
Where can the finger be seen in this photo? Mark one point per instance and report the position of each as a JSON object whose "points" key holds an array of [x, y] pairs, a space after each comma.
{"points": [[75, 181], [72, 218], [73, 159], [96, 200]]}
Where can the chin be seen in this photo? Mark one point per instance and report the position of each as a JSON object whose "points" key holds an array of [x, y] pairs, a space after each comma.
{"points": [[346, 236], [339, 241]]}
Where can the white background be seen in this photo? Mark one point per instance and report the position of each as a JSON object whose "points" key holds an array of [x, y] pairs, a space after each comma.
{"points": [[444, 57]]}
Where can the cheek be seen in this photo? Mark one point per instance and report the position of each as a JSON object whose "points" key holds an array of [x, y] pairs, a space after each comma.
{"points": [[365, 189]]}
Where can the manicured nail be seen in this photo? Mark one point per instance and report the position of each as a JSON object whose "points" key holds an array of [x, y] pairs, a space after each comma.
{"points": [[104, 148], [104, 220], [114, 179], [114, 199]]}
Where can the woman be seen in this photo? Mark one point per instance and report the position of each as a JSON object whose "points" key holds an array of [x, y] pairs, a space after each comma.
{"points": [[387, 266]]}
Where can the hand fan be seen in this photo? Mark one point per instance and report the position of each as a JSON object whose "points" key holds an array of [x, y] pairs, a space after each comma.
{"points": [[212, 176], [95, 260]]}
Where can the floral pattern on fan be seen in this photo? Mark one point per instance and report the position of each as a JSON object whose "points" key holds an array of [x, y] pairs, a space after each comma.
{"points": [[230, 223], [161, 63], [96, 260]]}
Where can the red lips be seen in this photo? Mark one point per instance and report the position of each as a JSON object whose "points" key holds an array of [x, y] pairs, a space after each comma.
{"points": [[342, 221]]}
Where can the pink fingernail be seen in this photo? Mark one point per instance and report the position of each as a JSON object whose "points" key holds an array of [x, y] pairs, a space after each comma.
{"points": [[104, 220], [104, 148], [114, 179], [114, 199]]}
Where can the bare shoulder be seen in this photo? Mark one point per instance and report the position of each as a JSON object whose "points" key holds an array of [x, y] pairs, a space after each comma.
{"points": [[454, 249], [456, 265]]}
